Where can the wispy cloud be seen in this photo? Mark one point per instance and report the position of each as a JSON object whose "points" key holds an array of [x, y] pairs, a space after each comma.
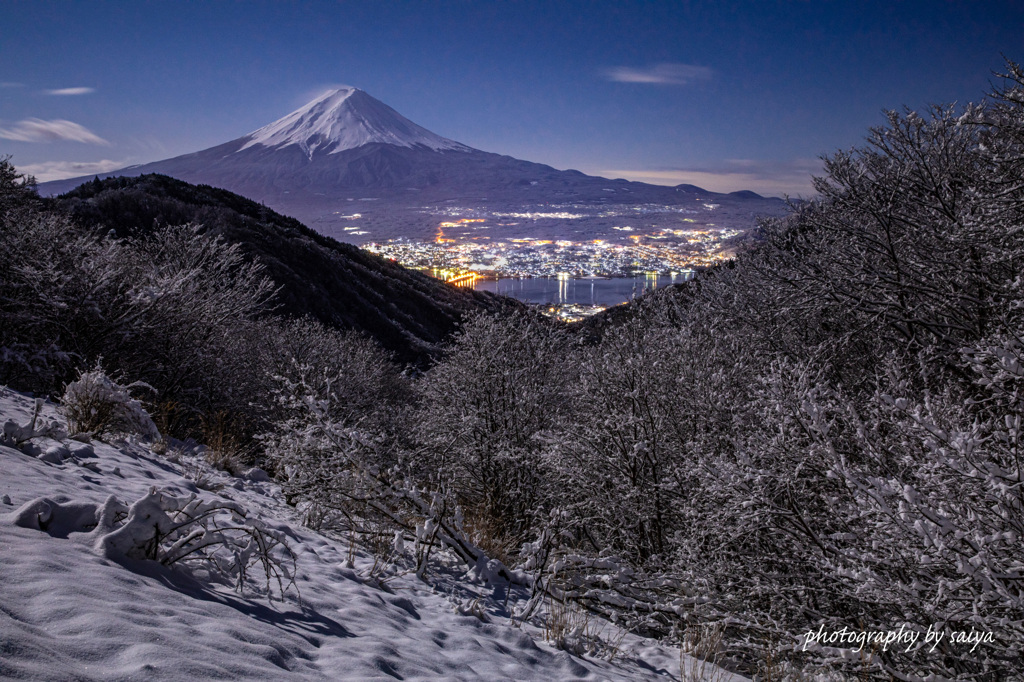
{"points": [[660, 74], [60, 170], [70, 91], [9, 84], [38, 130], [772, 178]]}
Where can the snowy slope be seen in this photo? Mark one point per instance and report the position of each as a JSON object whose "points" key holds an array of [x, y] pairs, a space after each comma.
{"points": [[69, 613], [344, 119]]}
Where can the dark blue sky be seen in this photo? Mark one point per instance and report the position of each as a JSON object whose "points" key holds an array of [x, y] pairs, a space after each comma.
{"points": [[729, 96]]}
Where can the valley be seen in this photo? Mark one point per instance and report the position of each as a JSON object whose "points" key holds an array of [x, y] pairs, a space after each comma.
{"points": [[662, 252], [354, 169], [611, 271]]}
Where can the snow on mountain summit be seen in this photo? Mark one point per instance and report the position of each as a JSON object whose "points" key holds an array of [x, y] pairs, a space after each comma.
{"points": [[346, 118]]}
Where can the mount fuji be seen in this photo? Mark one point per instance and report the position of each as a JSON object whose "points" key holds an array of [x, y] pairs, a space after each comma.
{"points": [[345, 119], [353, 168]]}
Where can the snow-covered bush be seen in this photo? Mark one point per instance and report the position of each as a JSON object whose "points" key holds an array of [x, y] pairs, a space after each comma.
{"points": [[215, 536], [644, 394], [187, 319], [337, 398], [48, 273], [486, 412], [17, 434], [951, 500], [319, 458], [824, 433], [172, 306], [96, 404], [339, 471], [569, 627]]}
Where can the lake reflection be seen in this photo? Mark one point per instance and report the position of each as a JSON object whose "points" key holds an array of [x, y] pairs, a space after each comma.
{"points": [[582, 291]]}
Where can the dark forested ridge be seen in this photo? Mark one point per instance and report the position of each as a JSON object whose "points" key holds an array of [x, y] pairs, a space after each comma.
{"points": [[407, 312]]}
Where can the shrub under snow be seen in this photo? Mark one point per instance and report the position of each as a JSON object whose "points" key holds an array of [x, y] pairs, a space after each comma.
{"points": [[215, 536], [96, 404]]}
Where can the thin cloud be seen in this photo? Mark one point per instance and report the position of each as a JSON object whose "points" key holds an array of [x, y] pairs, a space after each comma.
{"points": [[38, 130], [61, 170], [660, 74], [70, 91], [9, 84], [771, 178]]}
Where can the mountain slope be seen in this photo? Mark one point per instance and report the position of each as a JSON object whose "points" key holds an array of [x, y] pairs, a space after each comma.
{"points": [[72, 612], [345, 119], [347, 160], [408, 312]]}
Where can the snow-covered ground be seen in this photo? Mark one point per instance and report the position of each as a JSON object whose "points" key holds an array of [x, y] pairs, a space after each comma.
{"points": [[346, 118], [68, 612]]}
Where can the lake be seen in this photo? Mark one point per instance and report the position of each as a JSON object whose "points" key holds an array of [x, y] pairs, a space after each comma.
{"points": [[580, 290]]}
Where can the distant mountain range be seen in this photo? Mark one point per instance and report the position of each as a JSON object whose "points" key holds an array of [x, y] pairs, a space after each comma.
{"points": [[353, 168]]}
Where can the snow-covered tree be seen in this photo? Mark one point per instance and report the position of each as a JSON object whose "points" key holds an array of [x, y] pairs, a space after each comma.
{"points": [[486, 413]]}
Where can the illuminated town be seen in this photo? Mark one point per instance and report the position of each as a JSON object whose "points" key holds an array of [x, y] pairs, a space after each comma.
{"points": [[467, 259], [462, 260]]}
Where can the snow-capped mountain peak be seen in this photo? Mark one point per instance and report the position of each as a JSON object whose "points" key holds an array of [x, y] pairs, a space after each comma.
{"points": [[342, 119]]}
